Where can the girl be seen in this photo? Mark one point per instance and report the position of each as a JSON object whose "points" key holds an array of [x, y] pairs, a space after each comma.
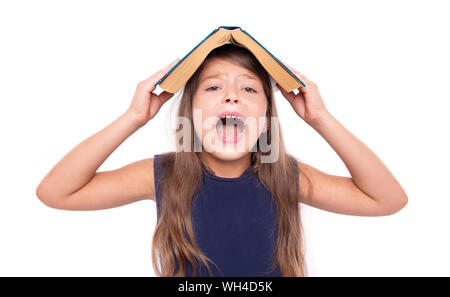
{"points": [[235, 202]]}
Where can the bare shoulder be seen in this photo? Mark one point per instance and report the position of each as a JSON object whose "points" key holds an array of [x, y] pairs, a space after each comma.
{"points": [[306, 173], [142, 174]]}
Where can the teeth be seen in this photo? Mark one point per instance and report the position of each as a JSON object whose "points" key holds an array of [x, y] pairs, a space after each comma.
{"points": [[230, 117], [231, 120]]}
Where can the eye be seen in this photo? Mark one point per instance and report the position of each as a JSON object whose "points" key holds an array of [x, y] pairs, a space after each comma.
{"points": [[212, 87], [251, 90]]}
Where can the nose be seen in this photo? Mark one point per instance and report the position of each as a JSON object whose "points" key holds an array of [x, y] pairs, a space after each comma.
{"points": [[231, 98]]}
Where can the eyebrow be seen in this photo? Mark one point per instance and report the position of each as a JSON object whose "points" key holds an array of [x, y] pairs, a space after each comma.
{"points": [[222, 74]]}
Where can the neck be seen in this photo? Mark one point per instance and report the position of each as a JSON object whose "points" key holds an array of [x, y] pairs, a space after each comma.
{"points": [[226, 168]]}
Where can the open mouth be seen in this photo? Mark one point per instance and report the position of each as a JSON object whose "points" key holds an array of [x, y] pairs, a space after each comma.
{"points": [[230, 128]]}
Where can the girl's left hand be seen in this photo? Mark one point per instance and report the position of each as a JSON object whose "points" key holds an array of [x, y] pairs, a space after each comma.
{"points": [[308, 103]]}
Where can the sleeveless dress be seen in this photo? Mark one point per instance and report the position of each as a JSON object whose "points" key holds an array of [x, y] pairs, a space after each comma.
{"points": [[234, 221]]}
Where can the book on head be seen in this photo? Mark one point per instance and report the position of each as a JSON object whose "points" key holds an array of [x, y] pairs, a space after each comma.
{"points": [[180, 73]]}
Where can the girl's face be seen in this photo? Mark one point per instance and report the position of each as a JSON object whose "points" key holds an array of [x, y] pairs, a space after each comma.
{"points": [[225, 89]]}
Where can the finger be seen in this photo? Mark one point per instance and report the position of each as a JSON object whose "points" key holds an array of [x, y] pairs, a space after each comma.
{"points": [[164, 96], [289, 67], [149, 83], [302, 77], [284, 91], [288, 95], [299, 75], [167, 68], [164, 70]]}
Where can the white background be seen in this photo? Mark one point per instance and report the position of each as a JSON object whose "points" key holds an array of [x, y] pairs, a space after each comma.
{"points": [[69, 68]]}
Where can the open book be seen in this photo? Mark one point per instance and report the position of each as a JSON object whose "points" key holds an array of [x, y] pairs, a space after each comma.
{"points": [[174, 80]]}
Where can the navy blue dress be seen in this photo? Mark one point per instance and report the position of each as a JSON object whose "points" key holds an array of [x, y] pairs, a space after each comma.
{"points": [[234, 221]]}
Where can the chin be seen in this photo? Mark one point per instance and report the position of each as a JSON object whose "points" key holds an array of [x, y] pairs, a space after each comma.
{"points": [[229, 156]]}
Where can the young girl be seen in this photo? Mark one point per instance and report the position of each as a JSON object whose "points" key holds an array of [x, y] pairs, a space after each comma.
{"points": [[232, 207]]}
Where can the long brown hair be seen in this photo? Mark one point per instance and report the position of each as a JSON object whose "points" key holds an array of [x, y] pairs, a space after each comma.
{"points": [[178, 188]]}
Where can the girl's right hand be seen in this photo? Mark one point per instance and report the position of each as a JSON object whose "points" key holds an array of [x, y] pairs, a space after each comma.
{"points": [[145, 104]]}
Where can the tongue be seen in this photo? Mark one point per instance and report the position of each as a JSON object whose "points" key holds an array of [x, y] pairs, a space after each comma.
{"points": [[228, 131]]}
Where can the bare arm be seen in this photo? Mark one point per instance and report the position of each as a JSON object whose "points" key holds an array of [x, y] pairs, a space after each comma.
{"points": [[371, 190], [74, 183]]}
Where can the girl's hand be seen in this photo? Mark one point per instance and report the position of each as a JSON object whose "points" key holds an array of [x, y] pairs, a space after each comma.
{"points": [[308, 103], [145, 104]]}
